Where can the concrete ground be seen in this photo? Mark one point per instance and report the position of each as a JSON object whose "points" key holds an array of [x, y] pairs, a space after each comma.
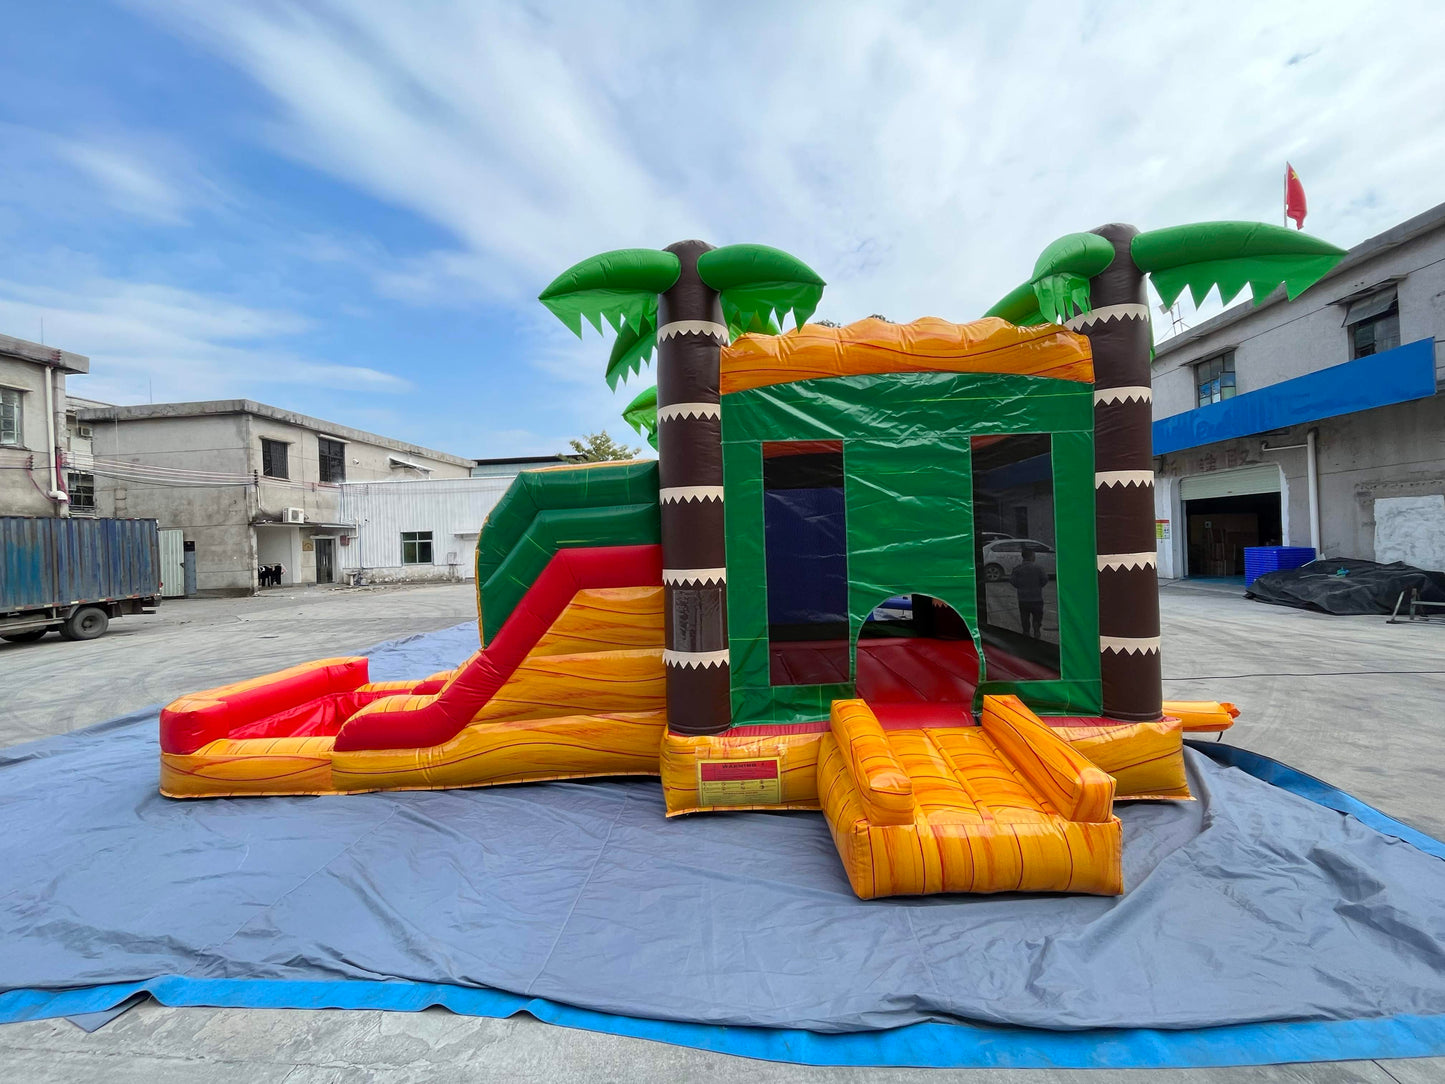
{"points": [[53, 685], [1351, 700]]}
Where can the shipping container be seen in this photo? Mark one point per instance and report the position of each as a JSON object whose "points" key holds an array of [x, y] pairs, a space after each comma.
{"points": [[74, 574]]}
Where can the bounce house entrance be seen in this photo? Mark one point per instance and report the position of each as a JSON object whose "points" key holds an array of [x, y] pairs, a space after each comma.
{"points": [[917, 663]]}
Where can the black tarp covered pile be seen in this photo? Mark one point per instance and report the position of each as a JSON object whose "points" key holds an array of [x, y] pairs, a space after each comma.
{"points": [[1343, 585]]}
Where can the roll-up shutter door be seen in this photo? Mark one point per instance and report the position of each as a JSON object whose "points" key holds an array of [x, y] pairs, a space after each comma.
{"points": [[1260, 478]]}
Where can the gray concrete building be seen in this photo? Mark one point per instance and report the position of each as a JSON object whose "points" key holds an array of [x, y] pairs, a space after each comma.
{"points": [[1314, 422], [510, 467], [34, 435], [249, 484]]}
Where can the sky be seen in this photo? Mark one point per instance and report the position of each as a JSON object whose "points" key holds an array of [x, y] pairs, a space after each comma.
{"points": [[348, 209]]}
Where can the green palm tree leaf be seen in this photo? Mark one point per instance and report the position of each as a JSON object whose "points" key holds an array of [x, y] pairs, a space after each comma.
{"points": [[641, 414], [1061, 296], [1084, 254], [1020, 306], [1062, 273], [756, 281], [1230, 255], [633, 348], [618, 286], [761, 325]]}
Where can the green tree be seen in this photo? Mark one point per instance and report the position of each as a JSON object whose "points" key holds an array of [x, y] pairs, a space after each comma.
{"points": [[1095, 284], [685, 302], [601, 448]]}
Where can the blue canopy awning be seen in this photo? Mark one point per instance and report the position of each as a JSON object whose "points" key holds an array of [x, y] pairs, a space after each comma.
{"points": [[1394, 376]]}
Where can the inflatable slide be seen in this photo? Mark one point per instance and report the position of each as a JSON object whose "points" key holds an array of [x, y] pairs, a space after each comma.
{"points": [[569, 577]]}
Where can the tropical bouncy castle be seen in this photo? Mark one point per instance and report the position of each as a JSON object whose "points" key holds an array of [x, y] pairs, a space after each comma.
{"points": [[903, 574]]}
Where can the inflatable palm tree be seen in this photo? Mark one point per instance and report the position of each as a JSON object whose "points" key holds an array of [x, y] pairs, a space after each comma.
{"points": [[1094, 283], [641, 414], [686, 301]]}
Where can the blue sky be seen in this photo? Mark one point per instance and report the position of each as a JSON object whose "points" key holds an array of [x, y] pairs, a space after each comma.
{"points": [[348, 208]]}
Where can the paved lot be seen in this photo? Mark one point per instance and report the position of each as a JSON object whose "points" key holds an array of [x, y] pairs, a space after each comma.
{"points": [[1352, 700], [54, 685]]}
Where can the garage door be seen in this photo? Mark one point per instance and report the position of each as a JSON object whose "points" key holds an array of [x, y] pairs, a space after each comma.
{"points": [[1260, 478]]}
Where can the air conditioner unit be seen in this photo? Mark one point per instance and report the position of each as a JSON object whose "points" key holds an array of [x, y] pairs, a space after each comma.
{"points": [[84, 432], [294, 515]]}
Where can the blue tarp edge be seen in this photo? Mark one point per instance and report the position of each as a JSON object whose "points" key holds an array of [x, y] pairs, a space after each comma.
{"points": [[929, 1045], [937, 1046]]}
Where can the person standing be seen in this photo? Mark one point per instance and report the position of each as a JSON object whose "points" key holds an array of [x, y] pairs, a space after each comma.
{"points": [[1029, 580]]}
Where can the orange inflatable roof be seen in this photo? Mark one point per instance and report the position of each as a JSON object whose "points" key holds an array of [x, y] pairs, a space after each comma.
{"points": [[927, 345]]}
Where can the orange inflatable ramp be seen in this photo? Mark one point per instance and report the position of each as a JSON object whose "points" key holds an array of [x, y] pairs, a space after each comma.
{"points": [[1007, 806]]}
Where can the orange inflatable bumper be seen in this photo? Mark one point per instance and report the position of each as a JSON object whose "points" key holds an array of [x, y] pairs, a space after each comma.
{"points": [[1002, 807]]}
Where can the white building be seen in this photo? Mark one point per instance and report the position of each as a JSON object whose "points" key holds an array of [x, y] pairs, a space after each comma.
{"points": [[417, 531], [426, 530], [1314, 422]]}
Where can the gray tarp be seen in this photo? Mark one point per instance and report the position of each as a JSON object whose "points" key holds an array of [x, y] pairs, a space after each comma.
{"points": [[1250, 905]]}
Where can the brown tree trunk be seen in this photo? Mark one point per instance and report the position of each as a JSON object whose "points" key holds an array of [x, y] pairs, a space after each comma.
{"points": [[1117, 326], [690, 333]]}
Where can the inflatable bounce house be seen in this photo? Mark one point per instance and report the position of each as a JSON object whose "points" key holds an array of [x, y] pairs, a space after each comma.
{"points": [[903, 574]]}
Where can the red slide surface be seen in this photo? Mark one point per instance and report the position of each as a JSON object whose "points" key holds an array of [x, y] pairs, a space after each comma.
{"points": [[569, 571]]}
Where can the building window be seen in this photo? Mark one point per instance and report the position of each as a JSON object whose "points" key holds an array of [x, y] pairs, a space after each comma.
{"points": [[1374, 324], [332, 455], [1214, 377], [11, 433], [273, 459], [82, 493], [416, 547]]}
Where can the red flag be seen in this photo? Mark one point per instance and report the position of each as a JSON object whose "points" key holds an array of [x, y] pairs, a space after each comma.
{"points": [[1294, 197]]}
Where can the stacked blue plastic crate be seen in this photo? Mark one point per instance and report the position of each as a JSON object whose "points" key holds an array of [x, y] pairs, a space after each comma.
{"points": [[1261, 559]]}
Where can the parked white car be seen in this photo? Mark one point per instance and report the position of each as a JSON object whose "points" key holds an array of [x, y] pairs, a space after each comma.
{"points": [[1002, 557]]}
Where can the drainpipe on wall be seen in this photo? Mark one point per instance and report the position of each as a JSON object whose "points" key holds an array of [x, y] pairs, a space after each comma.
{"points": [[56, 494], [1312, 458]]}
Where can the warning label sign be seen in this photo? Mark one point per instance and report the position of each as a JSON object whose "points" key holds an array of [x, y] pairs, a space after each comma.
{"points": [[739, 782]]}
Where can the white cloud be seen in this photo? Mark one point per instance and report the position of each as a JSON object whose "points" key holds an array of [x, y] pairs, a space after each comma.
{"points": [[919, 157], [145, 175], [442, 277], [130, 183], [467, 116], [146, 340]]}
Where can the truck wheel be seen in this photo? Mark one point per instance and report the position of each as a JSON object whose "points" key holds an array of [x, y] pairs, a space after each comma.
{"points": [[86, 623], [25, 637]]}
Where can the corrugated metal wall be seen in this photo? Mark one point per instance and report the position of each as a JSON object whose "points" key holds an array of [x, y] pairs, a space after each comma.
{"points": [[55, 561], [452, 509]]}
